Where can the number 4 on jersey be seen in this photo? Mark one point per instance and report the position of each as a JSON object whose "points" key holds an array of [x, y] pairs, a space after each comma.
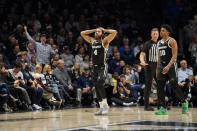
{"points": [[95, 52]]}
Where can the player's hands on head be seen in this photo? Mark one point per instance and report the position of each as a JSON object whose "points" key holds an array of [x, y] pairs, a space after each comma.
{"points": [[102, 28]]}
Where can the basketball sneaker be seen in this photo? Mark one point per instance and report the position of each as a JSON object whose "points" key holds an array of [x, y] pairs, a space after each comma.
{"points": [[185, 107], [161, 111]]}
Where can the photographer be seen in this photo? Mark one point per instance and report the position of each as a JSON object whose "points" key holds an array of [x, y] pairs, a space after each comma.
{"points": [[122, 93]]}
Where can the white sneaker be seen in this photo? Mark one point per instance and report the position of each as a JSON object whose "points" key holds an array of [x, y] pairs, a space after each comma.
{"points": [[39, 107], [99, 112], [36, 107], [105, 110]]}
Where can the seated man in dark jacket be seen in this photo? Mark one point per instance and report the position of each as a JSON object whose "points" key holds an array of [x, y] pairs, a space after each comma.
{"points": [[85, 88]]}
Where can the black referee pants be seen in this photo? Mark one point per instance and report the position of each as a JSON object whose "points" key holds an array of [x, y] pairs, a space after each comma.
{"points": [[149, 75], [171, 75]]}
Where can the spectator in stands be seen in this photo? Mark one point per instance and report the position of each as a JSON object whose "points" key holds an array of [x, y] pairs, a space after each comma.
{"points": [[4, 91], [193, 50], [54, 47], [183, 73], [51, 82], [4, 97], [122, 93], [125, 43], [138, 48], [120, 67], [133, 30], [34, 92], [32, 63], [85, 62], [183, 77], [80, 55], [62, 75], [53, 64], [111, 56], [3, 48], [24, 55], [16, 76], [12, 43], [3, 59], [13, 54], [188, 35], [56, 57], [127, 56], [115, 62], [30, 51], [80, 43], [71, 42], [36, 33], [76, 72], [68, 58], [50, 41], [61, 38], [131, 78], [43, 50], [41, 83], [4, 32], [86, 88]]}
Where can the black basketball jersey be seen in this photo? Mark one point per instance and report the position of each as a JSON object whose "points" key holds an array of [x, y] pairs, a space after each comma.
{"points": [[98, 53], [165, 51]]}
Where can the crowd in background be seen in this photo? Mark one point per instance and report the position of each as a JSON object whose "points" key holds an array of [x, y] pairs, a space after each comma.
{"points": [[45, 63]]}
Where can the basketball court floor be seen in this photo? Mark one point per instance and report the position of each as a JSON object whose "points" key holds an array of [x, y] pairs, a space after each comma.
{"points": [[83, 119]]}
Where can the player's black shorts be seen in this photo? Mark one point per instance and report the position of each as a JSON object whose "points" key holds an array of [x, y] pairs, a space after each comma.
{"points": [[170, 75], [99, 73]]}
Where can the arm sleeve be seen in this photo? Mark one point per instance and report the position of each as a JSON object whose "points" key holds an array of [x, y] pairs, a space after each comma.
{"points": [[52, 51], [31, 40]]}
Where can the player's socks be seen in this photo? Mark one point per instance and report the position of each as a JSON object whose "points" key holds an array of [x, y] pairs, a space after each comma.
{"points": [[185, 107], [161, 111]]}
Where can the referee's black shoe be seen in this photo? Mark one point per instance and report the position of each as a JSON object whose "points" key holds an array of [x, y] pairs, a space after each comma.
{"points": [[148, 108]]}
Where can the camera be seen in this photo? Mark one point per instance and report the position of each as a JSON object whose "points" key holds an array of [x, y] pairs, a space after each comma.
{"points": [[19, 78]]}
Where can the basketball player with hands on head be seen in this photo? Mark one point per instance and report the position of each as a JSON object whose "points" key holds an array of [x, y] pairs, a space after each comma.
{"points": [[100, 46]]}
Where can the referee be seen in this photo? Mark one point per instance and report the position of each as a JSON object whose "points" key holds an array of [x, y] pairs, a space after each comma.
{"points": [[148, 59]]}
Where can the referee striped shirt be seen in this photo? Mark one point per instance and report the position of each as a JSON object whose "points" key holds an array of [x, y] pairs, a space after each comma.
{"points": [[151, 51]]}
